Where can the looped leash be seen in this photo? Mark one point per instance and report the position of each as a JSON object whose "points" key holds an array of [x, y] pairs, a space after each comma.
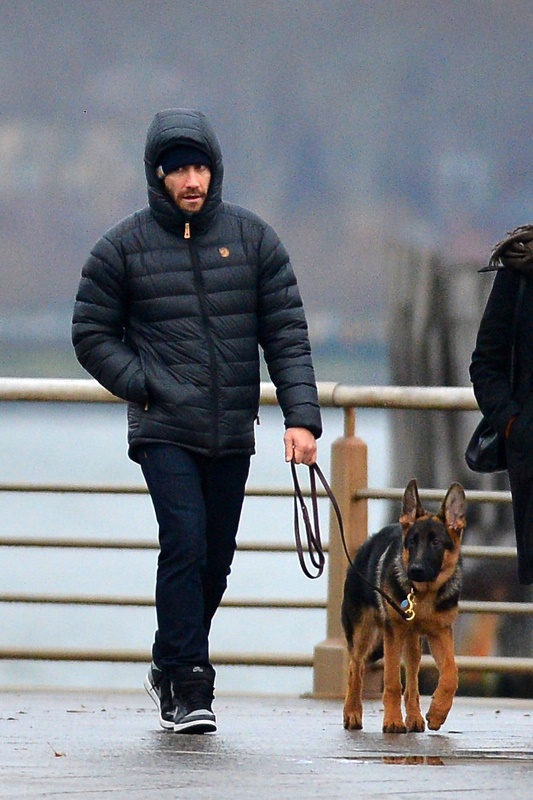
{"points": [[314, 542]]}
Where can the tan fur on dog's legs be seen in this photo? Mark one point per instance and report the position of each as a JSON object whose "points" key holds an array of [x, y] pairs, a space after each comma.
{"points": [[412, 652], [392, 692], [353, 703], [366, 637], [441, 645]]}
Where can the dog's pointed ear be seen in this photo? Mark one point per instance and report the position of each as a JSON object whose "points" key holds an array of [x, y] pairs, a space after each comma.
{"points": [[411, 505], [453, 509]]}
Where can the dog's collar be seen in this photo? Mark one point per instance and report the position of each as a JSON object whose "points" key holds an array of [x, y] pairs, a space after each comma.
{"points": [[408, 605]]}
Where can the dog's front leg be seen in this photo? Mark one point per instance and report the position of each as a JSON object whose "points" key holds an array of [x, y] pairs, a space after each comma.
{"points": [[411, 653], [441, 644], [392, 691]]}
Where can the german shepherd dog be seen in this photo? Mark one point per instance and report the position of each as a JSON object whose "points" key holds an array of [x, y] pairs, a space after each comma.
{"points": [[417, 563]]}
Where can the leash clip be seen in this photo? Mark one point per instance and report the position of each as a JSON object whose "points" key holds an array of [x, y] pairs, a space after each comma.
{"points": [[408, 606]]}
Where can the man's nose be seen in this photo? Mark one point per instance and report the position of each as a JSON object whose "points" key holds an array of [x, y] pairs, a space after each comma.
{"points": [[192, 178]]}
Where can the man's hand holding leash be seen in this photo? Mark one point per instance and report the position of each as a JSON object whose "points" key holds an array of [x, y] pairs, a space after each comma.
{"points": [[300, 445]]}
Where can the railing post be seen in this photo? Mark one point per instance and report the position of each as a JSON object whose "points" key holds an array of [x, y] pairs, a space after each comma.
{"points": [[349, 472]]}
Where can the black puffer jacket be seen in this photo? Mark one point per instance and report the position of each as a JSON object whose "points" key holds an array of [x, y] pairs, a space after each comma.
{"points": [[173, 325]]}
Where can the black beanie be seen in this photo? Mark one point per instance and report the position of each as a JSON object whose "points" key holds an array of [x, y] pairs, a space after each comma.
{"points": [[181, 156]]}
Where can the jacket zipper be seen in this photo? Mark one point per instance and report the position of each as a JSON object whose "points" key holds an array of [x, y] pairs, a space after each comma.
{"points": [[187, 234], [200, 288]]}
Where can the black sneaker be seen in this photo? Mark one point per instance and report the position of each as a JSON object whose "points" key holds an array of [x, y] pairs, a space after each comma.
{"points": [[192, 691], [158, 687]]}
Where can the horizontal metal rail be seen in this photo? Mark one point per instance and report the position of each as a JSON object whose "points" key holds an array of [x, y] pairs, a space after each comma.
{"points": [[492, 551], [100, 600], [487, 664], [472, 495], [331, 394], [468, 551], [495, 607], [134, 544], [69, 488], [140, 656], [465, 606]]}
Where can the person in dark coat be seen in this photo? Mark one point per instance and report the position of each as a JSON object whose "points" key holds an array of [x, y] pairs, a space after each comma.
{"points": [[174, 304], [510, 410]]}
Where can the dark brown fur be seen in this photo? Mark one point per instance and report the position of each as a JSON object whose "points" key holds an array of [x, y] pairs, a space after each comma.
{"points": [[421, 553]]}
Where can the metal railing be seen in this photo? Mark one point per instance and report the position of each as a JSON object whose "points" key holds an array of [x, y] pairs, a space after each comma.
{"points": [[349, 482]]}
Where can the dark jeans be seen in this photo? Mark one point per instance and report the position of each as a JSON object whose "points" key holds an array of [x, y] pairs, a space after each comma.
{"points": [[198, 504]]}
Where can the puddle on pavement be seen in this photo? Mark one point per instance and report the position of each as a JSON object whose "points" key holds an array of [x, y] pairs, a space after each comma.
{"points": [[437, 761], [432, 761]]}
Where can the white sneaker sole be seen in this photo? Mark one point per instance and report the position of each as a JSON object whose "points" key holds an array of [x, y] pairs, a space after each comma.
{"points": [[168, 725], [151, 691], [202, 721]]}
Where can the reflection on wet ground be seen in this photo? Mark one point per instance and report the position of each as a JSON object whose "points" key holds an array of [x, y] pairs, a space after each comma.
{"points": [[92, 744]]}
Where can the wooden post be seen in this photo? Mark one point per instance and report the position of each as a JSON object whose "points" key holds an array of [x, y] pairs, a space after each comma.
{"points": [[349, 472]]}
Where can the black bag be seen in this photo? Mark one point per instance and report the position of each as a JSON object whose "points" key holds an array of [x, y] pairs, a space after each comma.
{"points": [[485, 451]]}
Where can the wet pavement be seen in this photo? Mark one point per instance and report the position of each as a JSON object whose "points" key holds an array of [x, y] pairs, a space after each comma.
{"points": [[100, 745]]}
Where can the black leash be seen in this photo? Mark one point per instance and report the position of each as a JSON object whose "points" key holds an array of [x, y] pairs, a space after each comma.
{"points": [[314, 542]]}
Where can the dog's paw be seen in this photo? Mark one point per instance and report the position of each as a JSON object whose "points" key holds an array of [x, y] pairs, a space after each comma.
{"points": [[435, 718], [394, 726], [415, 724], [353, 721]]}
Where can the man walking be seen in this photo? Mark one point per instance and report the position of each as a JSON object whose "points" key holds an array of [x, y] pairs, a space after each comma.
{"points": [[173, 305]]}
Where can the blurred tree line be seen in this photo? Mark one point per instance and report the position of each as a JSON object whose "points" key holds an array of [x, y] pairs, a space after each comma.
{"points": [[348, 124]]}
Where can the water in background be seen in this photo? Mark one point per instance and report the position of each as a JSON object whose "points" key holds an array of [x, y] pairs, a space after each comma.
{"points": [[84, 444]]}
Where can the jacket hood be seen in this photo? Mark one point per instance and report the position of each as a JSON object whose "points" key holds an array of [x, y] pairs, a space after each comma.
{"points": [[171, 128]]}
